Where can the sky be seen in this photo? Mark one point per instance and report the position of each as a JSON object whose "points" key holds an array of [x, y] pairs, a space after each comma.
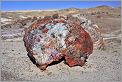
{"points": [[44, 5]]}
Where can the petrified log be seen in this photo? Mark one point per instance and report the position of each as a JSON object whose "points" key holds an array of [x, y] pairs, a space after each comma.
{"points": [[91, 28], [55, 37]]}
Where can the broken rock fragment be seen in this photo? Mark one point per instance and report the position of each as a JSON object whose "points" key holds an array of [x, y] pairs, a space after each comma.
{"points": [[55, 37], [93, 29]]}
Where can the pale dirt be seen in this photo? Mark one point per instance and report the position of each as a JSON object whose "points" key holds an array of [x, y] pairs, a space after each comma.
{"points": [[101, 65]]}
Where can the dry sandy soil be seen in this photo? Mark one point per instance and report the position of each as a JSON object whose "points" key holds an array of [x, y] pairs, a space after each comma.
{"points": [[102, 65]]}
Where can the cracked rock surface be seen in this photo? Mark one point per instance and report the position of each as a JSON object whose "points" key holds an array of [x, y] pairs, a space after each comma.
{"points": [[101, 66], [52, 38]]}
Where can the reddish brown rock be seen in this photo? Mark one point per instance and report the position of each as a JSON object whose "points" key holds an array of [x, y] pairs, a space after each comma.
{"points": [[52, 38]]}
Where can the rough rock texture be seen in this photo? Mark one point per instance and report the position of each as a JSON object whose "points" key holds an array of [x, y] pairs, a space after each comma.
{"points": [[19, 23], [55, 37], [90, 27]]}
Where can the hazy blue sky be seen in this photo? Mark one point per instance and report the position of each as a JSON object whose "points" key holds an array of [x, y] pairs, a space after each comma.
{"points": [[36, 5]]}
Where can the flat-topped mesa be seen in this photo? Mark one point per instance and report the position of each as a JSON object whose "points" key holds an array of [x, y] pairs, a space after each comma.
{"points": [[55, 37]]}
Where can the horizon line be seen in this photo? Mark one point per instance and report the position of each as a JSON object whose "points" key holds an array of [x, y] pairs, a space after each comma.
{"points": [[52, 9]]}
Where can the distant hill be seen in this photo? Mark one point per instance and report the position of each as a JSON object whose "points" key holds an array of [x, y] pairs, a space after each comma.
{"points": [[103, 6], [41, 13]]}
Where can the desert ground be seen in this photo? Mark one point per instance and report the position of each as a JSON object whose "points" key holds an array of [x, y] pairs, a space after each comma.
{"points": [[101, 66]]}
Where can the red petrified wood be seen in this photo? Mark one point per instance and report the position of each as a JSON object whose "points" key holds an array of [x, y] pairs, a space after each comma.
{"points": [[52, 38]]}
